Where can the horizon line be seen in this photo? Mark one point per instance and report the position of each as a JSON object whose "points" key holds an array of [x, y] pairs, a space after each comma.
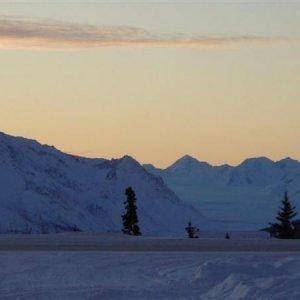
{"points": [[83, 156]]}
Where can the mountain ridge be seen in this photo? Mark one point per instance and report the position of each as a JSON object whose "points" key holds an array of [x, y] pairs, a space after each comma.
{"points": [[248, 193], [46, 190], [186, 157]]}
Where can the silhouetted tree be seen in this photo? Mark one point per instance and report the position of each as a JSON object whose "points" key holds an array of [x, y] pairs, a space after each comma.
{"points": [[284, 228], [192, 231], [227, 236], [130, 218]]}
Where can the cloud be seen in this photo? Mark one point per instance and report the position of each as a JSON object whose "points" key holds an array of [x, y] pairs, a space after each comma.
{"points": [[21, 33]]}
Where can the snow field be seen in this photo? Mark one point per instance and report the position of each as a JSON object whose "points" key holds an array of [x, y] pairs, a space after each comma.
{"points": [[149, 275]]}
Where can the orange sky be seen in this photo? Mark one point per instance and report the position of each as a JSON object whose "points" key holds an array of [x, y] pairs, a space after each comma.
{"points": [[221, 104]]}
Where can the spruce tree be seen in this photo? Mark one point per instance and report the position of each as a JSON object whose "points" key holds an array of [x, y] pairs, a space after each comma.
{"points": [[284, 228], [130, 218], [191, 231]]}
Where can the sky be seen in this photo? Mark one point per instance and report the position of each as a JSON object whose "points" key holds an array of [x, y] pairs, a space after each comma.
{"points": [[218, 80]]}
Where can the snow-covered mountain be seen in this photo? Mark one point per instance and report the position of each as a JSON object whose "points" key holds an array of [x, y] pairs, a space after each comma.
{"points": [[245, 197], [45, 190]]}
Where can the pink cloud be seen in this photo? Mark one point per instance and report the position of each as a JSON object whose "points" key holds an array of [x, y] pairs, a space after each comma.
{"points": [[18, 33]]}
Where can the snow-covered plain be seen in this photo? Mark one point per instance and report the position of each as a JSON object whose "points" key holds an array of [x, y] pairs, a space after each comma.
{"points": [[149, 275], [210, 241]]}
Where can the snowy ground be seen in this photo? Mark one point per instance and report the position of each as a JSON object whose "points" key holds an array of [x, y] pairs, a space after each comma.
{"points": [[239, 241], [149, 275], [113, 266]]}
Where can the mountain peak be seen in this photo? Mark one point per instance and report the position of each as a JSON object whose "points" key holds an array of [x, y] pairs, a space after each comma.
{"points": [[288, 163], [127, 163], [188, 157], [288, 160], [262, 160], [186, 164], [128, 158], [184, 160]]}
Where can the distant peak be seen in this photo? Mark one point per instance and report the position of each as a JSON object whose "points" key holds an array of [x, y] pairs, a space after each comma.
{"points": [[288, 160], [188, 157], [124, 159], [127, 162], [128, 158], [187, 162], [257, 160]]}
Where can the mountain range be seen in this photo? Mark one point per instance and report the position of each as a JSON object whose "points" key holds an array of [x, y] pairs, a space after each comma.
{"points": [[44, 190], [246, 196]]}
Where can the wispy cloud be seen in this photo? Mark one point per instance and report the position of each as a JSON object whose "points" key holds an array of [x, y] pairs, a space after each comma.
{"points": [[21, 33]]}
